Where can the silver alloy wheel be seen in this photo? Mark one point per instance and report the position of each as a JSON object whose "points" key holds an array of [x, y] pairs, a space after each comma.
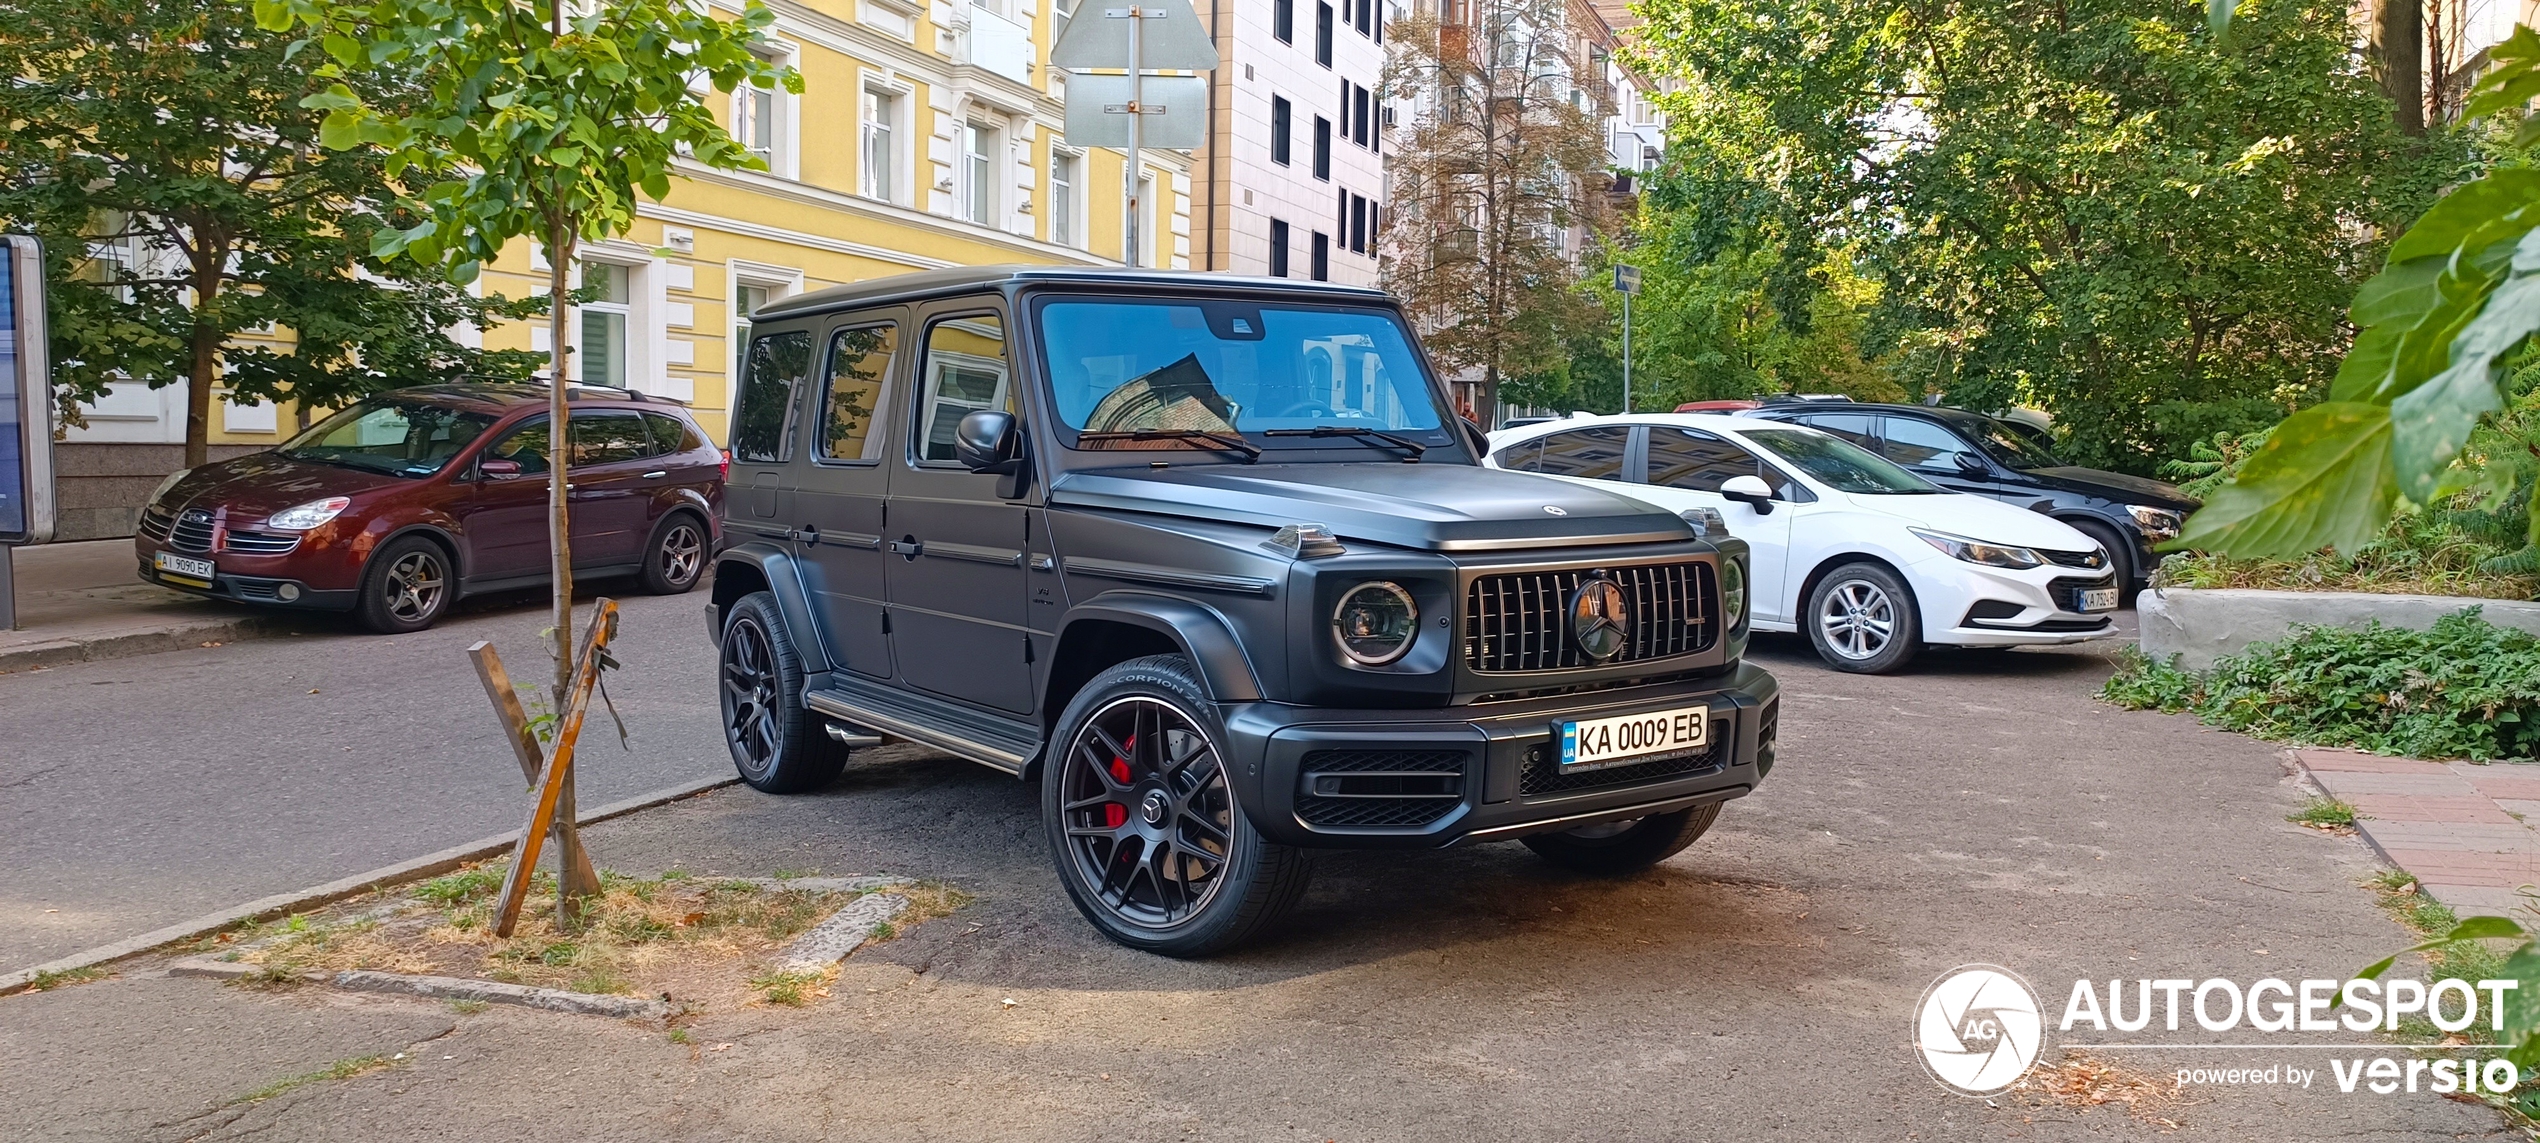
{"points": [[683, 551], [1857, 619], [415, 584]]}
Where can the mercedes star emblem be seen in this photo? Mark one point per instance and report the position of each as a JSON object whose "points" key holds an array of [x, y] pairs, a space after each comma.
{"points": [[1600, 619]]}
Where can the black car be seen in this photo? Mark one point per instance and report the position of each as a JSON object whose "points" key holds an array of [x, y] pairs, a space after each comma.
{"points": [[1971, 452], [1211, 561]]}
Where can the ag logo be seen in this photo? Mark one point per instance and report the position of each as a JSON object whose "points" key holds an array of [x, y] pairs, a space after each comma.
{"points": [[1978, 1029], [1599, 619]]}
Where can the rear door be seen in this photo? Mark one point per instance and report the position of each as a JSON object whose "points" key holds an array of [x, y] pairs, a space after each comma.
{"points": [[956, 564], [775, 374], [611, 487], [841, 508]]}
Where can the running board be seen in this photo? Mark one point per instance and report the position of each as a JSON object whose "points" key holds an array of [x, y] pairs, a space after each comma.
{"points": [[940, 725]]}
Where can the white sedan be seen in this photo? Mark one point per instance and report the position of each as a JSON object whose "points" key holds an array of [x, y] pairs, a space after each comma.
{"points": [[1872, 561]]}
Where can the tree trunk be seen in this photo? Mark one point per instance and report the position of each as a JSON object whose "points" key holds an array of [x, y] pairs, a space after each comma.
{"points": [[575, 885], [2399, 52], [198, 391]]}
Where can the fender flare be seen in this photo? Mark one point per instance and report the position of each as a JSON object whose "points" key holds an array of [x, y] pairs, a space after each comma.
{"points": [[1198, 629], [777, 567]]}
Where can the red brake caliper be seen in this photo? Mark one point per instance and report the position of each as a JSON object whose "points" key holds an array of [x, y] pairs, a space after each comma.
{"points": [[1115, 815]]}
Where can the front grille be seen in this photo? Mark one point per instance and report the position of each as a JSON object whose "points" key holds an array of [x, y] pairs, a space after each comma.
{"points": [[1379, 789], [2066, 590], [155, 525], [260, 543], [2094, 558], [1520, 621], [1542, 773], [192, 531]]}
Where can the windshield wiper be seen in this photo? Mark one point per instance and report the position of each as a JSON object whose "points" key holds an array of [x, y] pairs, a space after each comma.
{"points": [[1413, 447], [1250, 452]]}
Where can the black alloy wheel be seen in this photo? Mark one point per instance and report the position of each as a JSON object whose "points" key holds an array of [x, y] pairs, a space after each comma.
{"points": [[776, 745], [1143, 821]]}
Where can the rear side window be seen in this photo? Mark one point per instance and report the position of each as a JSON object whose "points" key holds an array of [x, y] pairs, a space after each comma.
{"points": [[771, 388], [1853, 427], [851, 407], [609, 438], [671, 435], [1523, 456], [1595, 453]]}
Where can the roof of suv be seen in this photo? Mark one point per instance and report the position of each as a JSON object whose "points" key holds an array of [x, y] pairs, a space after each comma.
{"points": [[1934, 412], [500, 397], [964, 279]]}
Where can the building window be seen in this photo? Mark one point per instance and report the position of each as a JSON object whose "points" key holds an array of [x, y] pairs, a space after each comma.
{"points": [[979, 142], [745, 301], [1323, 34], [604, 347], [1358, 224], [1367, 18], [1280, 113], [1322, 148], [1150, 213], [1321, 255], [754, 122], [1283, 20], [1278, 248], [880, 123], [1062, 198], [1358, 115]]}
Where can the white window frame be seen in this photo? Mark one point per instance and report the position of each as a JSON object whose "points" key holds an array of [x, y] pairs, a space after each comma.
{"points": [[778, 281], [647, 339], [784, 148], [897, 145], [982, 146], [1067, 219]]}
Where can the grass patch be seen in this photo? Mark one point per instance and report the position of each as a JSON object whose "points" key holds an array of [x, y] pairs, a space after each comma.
{"points": [[787, 988], [2407, 903], [339, 1070], [2324, 813], [45, 981]]}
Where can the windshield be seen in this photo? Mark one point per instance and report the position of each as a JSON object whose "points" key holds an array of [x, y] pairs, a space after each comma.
{"points": [[1247, 370], [1840, 464], [401, 438], [2011, 447]]}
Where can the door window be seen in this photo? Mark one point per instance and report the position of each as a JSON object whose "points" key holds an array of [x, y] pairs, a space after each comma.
{"points": [[763, 425], [670, 436], [609, 438], [1523, 456], [1596, 453], [525, 446], [1694, 460], [1853, 427], [1921, 444], [859, 367], [965, 372]]}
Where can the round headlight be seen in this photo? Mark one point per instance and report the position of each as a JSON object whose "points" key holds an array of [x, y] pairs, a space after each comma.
{"points": [[1375, 623], [1733, 592]]}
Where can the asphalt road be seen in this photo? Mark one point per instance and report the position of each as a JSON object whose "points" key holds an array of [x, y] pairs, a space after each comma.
{"points": [[1758, 986], [139, 792]]}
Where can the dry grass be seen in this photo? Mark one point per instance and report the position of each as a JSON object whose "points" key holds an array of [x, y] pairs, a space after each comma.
{"points": [[697, 939], [2085, 1081]]}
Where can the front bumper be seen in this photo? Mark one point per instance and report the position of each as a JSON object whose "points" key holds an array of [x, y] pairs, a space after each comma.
{"points": [[1971, 605], [262, 591], [1436, 777]]}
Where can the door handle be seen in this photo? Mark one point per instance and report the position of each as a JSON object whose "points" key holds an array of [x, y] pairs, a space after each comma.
{"points": [[657, 475], [908, 548], [810, 535]]}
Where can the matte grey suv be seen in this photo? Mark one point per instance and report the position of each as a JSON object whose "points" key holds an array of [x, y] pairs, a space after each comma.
{"points": [[1210, 560]]}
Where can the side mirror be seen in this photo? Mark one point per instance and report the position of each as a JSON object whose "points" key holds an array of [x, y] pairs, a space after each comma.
{"points": [[988, 442], [495, 468], [1750, 491], [1968, 463]]}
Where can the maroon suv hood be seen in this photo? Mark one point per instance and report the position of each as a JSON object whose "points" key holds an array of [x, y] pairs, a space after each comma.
{"points": [[260, 484]]}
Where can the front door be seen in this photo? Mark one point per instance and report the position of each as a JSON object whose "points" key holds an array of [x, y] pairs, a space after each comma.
{"points": [[956, 550], [841, 505], [506, 524], [1686, 469], [1937, 454]]}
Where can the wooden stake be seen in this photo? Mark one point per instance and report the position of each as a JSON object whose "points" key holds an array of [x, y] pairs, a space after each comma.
{"points": [[553, 773], [574, 863]]}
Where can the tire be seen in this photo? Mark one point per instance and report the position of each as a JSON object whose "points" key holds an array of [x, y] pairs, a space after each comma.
{"points": [[407, 586], [778, 746], [675, 556], [1862, 619], [2120, 554], [1138, 770], [1607, 852]]}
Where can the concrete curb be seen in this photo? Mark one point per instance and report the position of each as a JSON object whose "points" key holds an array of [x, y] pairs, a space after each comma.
{"points": [[88, 649], [496, 992], [428, 865], [2201, 625], [844, 932]]}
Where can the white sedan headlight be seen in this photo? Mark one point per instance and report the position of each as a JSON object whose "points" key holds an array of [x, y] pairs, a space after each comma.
{"points": [[301, 518], [1979, 552]]}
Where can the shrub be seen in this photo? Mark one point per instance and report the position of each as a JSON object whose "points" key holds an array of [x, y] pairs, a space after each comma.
{"points": [[2465, 689]]}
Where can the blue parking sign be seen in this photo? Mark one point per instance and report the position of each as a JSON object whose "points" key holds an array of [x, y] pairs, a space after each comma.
{"points": [[26, 420]]}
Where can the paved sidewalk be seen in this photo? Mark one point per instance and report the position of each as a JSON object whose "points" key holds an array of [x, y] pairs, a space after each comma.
{"points": [[2460, 828], [83, 601]]}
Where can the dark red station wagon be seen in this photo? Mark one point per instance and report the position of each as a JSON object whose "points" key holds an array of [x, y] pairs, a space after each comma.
{"points": [[398, 506]]}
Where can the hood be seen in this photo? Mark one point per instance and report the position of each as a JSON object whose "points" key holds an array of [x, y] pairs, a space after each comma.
{"points": [[1432, 507], [2111, 485], [1979, 518], [260, 484]]}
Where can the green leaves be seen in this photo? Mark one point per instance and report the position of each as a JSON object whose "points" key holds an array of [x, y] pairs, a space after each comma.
{"points": [[2323, 480]]}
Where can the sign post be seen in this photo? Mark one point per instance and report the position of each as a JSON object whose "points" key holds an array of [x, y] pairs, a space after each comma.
{"points": [[1111, 111], [26, 412], [1627, 282]]}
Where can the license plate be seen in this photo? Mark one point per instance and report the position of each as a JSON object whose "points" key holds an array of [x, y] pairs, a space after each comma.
{"points": [[184, 568], [1596, 743], [2098, 599]]}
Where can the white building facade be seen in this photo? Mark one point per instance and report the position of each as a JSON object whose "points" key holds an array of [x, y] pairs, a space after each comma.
{"points": [[1290, 181]]}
